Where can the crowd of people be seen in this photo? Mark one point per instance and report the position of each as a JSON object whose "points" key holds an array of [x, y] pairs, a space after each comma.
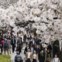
{"points": [[34, 50]]}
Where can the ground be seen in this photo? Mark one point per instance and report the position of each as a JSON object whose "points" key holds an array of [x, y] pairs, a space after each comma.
{"points": [[5, 58]]}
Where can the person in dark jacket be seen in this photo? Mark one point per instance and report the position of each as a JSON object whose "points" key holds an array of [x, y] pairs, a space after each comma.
{"points": [[56, 49], [1, 45], [6, 46], [13, 43], [18, 58], [19, 45], [41, 56], [25, 38]]}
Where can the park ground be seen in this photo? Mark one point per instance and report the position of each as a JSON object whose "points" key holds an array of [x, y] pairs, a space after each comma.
{"points": [[5, 58]]}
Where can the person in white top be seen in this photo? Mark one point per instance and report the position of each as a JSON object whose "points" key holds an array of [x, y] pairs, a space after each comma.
{"points": [[35, 57], [56, 59], [28, 56]]}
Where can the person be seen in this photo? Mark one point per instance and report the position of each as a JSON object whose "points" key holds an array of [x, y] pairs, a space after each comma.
{"points": [[37, 49], [19, 45], [56, 49], [32, 49], [9, 44], [24, 38], [18, 58], [56, 59], [26, 48], [48, 56], [13, 43], [6, 46], [49, 49], [41, 56], [35, 57], [28, 56], [1, 45], [61, 55]]}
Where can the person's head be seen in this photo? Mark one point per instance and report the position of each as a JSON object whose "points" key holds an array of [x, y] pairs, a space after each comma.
{"points": [[56, 56], [38, 46], [34, 52], [17, 53], [5, 37], [12, 36]]}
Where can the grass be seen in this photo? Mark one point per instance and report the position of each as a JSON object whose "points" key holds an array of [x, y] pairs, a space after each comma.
{"points": [[5, 58]]}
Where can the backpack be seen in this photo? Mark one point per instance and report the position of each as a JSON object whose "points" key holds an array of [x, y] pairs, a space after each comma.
{"points": [[18, 58]]}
